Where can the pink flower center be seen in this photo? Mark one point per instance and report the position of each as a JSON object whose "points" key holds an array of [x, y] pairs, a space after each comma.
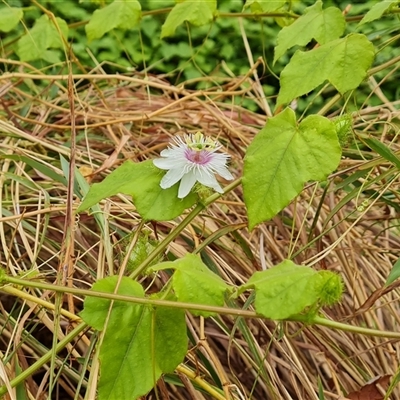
{"points": [[202, 157]]}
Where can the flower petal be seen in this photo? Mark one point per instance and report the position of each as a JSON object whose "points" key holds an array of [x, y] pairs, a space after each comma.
{"points": [[172, 152], [187, 182], [171, 177], [224, 172], [170, 162], [208, 179], [164, 163]]}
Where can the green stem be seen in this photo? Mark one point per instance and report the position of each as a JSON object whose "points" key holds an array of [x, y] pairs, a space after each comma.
{"points": [[129, 299], [347, 328], [259, 15], [177, 231], [197, 307], [329, 104], [44, 359]]}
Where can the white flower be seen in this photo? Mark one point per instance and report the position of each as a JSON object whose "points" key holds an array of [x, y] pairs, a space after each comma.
{"points": [[191, 159]]}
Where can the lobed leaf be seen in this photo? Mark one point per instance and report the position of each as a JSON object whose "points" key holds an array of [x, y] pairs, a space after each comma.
{"points": [[284, 290], [315, 23], [96, 309], [343, 62], [193, 282], [139, 343], [282, 157], [198, 13], [124, 14], [142, 182], [43, 36]]}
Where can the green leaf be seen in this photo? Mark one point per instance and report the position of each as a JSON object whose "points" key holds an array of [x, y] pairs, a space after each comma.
{"points": [[198, 13], [343, 62], [259, 6], [95, 309], [284, 290], [394, 273], [193, 282], [43, 36], [316, 23], [142, 182], [282, 157], [124, 14], [170, 338], [383, 151], [378, 10], [9, 18], [139, 343]]}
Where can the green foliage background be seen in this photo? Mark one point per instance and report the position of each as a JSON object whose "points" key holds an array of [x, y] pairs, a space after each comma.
{"points": [[215, 50]]}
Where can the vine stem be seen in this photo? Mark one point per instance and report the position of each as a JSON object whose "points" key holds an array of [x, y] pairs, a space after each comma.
{"points": [[345, 327], [197, 307]]}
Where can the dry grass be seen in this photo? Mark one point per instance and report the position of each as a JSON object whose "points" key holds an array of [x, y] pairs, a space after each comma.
{"points": [[133, 117]]}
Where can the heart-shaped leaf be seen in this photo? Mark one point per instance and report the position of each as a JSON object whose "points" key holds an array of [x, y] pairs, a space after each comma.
{"points": [[282, 157], [140, 343], [284, 290], [343, 62]]}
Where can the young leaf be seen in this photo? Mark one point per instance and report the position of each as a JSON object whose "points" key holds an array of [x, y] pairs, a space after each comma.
{"points": [[44, 35], [257, 6], [394, 273], [142, 182], [284, 290], [198, 13], [316, 23], [330, 288], [378, 10], [9, 18], [139, 343], [344, 62], [124, 14], [193, 282], [282, 157]]}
